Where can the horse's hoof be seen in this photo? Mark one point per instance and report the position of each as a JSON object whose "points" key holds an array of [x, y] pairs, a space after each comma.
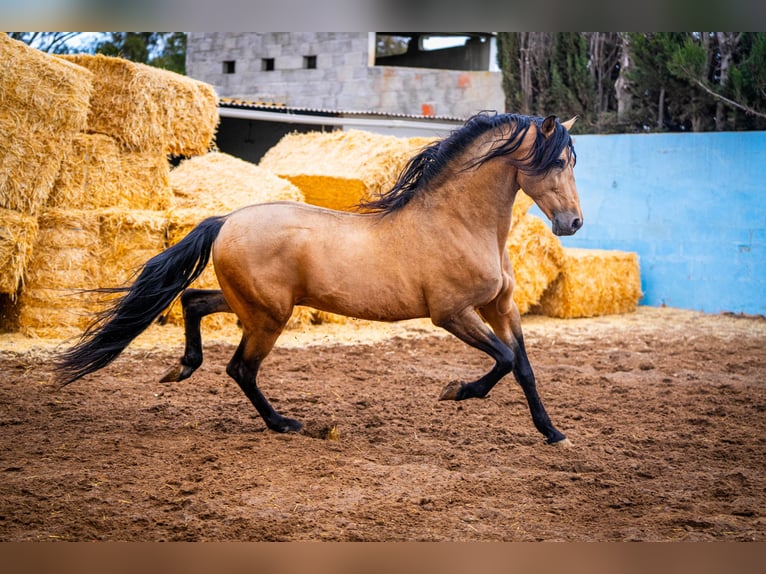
{"points": [[563, 443], [287, 425], [451, 392], [177, 373]]}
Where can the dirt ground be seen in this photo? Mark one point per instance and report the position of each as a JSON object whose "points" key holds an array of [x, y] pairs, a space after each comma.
{"points": [[666, 410]]}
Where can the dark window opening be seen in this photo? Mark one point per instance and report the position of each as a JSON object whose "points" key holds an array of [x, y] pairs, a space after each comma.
{"points": [[447, 51], [310, 62], [267, 64], [229, 66]]}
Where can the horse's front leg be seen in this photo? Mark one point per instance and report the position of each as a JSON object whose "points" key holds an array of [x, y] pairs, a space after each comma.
{"points": [[469, 328], [506, 322], [196, 303]]}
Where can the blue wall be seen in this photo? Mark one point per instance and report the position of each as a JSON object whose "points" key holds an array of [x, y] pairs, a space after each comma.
{"points": [[693, 206]]}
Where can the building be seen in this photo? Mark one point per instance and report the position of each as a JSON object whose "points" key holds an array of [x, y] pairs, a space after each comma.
{"points": [[448, 75]]}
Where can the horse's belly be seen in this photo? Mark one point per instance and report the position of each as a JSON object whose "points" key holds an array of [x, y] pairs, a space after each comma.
{"points": [[366, 300]]}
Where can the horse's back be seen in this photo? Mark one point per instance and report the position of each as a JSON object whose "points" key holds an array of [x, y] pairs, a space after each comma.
{"points": [[336, 261]]}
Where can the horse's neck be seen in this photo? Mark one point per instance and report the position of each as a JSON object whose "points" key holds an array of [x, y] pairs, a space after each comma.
{"points": [[479, 197]]}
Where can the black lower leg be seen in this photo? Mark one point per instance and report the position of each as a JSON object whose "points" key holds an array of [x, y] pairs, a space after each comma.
{"points": [[196, 304], [245, 373], [526, 378], [504, 361]]}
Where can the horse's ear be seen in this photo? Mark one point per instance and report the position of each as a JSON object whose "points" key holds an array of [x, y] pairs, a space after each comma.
{"points": [[548, 126], [569, 123]]}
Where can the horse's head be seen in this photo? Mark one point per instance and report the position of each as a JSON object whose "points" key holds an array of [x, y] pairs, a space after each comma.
{"points": [[554, 190]]}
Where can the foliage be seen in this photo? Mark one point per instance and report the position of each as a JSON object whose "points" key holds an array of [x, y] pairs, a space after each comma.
{"points": [[160, 49], [637, 82]]}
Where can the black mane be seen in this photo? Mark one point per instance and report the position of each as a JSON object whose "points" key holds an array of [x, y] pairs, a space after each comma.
{"points": [[431, 160]]}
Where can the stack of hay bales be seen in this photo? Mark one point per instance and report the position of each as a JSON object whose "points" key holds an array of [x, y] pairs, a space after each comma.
{"points": [[107, 211], [342, 168], [44, 103], [593, 282], [217, 184], [148, 109]]}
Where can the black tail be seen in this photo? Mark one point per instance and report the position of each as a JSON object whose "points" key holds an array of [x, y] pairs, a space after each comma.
{"points": [[159, 282]]}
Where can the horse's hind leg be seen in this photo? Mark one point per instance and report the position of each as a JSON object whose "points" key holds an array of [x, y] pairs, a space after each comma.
{"points": [[243, 368], [196, 303]]}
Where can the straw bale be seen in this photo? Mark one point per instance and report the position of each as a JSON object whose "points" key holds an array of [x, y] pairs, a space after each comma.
{"points": [[218, 183], [45, 103], [64, 261], [67, 228], [55, 313], [18, 233], [128, 238], [149, 109], [341, 168], [65, 253], [536, 257], [594, 282], [99, 174]]}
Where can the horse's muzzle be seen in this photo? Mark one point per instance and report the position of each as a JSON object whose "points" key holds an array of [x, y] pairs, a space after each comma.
{"points": [[566, 223]]}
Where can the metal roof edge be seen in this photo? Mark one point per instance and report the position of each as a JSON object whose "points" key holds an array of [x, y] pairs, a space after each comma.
{"points": [[276, 108]]}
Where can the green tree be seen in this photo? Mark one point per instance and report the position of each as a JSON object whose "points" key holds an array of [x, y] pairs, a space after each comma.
{"points": [[652, 84], [165, 50], [748, 82], [572, 89], [525, 60], [724, 70]]}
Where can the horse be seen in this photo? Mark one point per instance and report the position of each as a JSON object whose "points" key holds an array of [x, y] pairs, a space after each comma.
{"points": [[433, 246]]}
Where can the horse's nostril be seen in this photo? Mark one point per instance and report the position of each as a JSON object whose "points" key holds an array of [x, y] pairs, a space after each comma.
{"points": [[576, 223]]}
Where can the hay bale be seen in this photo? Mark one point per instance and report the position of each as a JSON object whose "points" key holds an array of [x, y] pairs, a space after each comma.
{"points": [[341, 168], [45, 103], [149, 109], [217, 184], [99, 174], [55, 313], [64, 261], [593, 282], [128, 238], [18, 233], [536, 257]]}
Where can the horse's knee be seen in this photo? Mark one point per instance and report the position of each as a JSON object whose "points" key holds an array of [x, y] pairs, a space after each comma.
{"points": [[506, 361]]}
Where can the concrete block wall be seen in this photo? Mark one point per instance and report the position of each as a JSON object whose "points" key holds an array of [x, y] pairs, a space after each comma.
{"points": [[693, 206], [344, 77]]}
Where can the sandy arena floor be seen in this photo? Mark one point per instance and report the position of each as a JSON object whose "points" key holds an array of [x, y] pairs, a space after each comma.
{"points": [[666, 409]]}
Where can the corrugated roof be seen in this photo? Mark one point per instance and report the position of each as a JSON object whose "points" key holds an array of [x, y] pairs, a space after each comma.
{"points": [[235, 103]]}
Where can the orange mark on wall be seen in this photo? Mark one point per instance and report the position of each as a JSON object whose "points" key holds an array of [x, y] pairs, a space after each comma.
{"points": [[464, 81], [428, 109]]}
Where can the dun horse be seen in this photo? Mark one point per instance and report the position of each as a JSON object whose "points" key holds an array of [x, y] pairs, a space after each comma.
{"points": [[433, 246]]}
